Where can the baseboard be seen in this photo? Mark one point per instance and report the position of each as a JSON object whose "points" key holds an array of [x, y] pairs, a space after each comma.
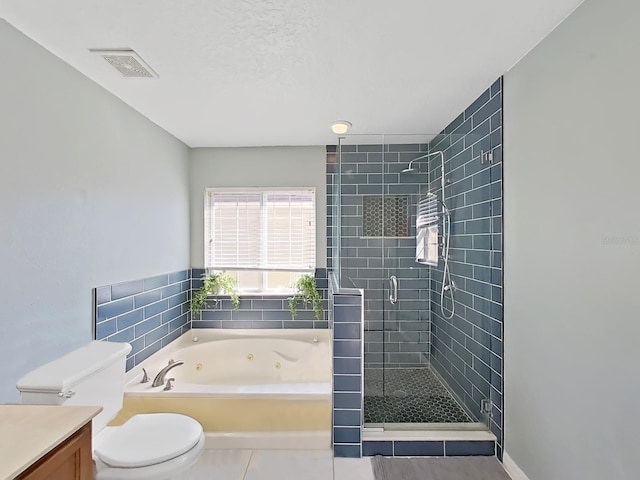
{"points": [[512, 469], [269, 440]]}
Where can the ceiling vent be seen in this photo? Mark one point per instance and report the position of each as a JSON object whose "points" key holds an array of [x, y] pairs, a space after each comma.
{"points": [[126, 61]]}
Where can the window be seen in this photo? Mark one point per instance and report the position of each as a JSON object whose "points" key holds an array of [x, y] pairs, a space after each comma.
{"points": [[265, 238]]}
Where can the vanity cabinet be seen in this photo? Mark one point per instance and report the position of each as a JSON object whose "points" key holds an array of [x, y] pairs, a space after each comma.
{"points": [[46, 442], [71, 460]]}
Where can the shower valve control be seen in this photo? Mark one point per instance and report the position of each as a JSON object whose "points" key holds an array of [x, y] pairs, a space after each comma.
{"points": [[486, 406]]}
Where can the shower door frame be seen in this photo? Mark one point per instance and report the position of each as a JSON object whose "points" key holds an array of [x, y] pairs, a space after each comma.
{"points": [[388, 270]]}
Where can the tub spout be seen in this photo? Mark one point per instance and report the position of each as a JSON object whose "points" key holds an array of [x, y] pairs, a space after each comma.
{"points": [[160, 377]]}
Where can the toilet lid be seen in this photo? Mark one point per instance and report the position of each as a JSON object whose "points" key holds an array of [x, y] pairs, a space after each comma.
{"points": [[149, 439]]}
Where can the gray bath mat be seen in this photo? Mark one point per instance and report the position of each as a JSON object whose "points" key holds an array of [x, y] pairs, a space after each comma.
{"points": [[438, 468]]}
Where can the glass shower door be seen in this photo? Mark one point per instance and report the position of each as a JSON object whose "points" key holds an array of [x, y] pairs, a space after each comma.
{"points": [[409, 382], [378, 255], [406, 307], [362, 221], [414, 394]]}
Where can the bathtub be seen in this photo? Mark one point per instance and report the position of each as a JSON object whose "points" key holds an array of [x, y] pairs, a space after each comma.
{"points": [[232, 381]]}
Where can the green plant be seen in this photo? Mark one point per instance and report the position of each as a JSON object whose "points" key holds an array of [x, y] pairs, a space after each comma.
{"points": [[214, 284], [307, 291]]}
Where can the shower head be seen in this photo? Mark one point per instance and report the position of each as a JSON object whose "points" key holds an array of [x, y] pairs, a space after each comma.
{"points": [[410, 168]]}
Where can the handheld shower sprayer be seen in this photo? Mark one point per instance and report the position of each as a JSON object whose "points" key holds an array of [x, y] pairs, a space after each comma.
{"points": [[447, 285]]}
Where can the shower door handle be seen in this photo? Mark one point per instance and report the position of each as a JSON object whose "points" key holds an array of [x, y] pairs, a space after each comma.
{"points": [[393, 289]]}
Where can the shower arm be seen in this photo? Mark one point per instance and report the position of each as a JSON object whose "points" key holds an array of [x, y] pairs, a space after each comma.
{"points": [[439, 152]]}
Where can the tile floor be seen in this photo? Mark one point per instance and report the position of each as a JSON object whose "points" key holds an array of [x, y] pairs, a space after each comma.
{"points": [[278, 464]]}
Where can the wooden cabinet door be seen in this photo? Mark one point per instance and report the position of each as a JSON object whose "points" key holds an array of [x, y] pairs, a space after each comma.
{"points": [[71, 460]]}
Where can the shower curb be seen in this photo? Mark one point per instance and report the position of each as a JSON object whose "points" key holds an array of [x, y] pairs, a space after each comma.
{"points": [[429, 443]]}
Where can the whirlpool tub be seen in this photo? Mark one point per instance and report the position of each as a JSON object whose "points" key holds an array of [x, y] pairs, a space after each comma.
{"points": [[235, 381]]}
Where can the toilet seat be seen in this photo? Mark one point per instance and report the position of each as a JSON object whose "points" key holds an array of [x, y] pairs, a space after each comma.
{"points": [[149, 439], [171, 469]]}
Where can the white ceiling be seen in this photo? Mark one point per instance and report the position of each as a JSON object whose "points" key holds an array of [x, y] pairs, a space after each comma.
{"points": [[278, 72]]}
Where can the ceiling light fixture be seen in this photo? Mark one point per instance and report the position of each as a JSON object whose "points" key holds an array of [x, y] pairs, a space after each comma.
{"points": [[340, 127]]}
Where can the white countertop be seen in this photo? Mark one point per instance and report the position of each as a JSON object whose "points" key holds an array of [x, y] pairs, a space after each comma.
{"points": [[28, 432]]}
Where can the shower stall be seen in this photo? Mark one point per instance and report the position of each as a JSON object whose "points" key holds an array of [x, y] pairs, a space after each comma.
{"points": [[414, 240]]}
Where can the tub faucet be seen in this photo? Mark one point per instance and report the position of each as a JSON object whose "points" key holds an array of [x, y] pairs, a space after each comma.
{"points": [[159, 380]]}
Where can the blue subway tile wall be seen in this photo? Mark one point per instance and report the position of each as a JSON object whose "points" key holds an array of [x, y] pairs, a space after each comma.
{"points": [[346, 451], [148, 313], [372, 448], [357, 178], [259, 311], [418, 448], [347, 374], [466, 351], [457, 448], [428, 448]]}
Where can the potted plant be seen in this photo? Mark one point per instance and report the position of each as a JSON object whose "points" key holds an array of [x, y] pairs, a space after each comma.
{"points": [[214, 284], [307, 291]]}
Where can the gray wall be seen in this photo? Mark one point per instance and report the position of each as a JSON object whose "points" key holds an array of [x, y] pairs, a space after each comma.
{"points": [[91, 193], [256, 167], [572, 255]]}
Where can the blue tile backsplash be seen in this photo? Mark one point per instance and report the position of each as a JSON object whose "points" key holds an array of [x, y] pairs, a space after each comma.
{"points": [[148, 313], [259, 311]]}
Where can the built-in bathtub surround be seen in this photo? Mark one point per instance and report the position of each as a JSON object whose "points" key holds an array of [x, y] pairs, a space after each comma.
{"points": [[466, 351], [243, 382], [370, 186], [258, 311], [148, 313]]}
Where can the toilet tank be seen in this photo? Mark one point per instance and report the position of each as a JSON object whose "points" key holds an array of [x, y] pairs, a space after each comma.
{"points": [[91, 375]]}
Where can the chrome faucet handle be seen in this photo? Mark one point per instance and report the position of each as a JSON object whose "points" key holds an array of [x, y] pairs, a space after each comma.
{"points": [[145, 377], [169, 386], [159, 379]]}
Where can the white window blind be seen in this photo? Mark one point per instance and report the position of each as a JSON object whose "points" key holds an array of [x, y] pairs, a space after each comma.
{"points": [[267, 230]]}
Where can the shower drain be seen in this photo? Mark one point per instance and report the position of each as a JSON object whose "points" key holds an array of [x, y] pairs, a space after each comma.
{"points": [[400, 393]]}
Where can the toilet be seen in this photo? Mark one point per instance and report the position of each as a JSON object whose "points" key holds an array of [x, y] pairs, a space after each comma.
{"points": [[148, 446]]}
